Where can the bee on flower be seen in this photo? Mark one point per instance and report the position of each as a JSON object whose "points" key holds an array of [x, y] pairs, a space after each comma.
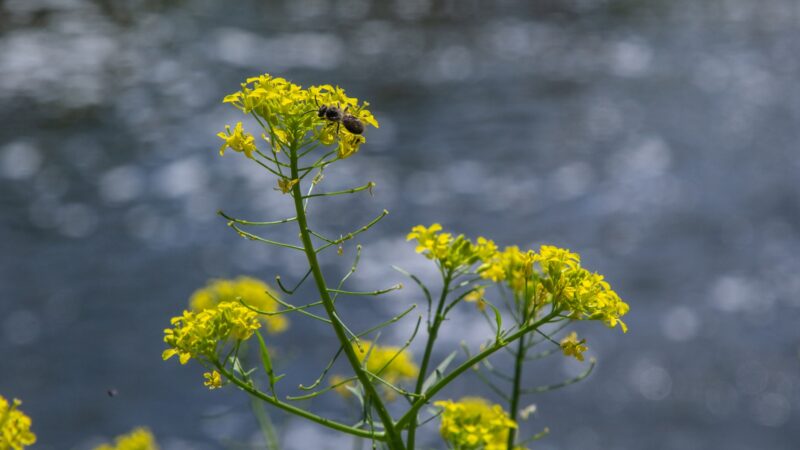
{"points": [[290, 113]]}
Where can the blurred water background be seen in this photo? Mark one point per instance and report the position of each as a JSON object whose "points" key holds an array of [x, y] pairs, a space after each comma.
{"points": [[659, 139]]}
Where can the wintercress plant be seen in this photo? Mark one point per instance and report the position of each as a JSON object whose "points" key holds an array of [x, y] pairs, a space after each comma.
{"points": [[527, 296]]}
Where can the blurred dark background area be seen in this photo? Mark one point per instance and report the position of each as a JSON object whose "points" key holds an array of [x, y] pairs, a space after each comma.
{"points": [[658, 139]]}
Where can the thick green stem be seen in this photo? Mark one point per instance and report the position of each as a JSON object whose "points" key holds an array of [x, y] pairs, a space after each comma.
{"points": [[393, 439], [515, 393], [433, 332]]}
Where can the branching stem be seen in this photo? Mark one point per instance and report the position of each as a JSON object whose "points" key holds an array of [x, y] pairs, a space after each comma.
{"points": [[391, 435], [433, 330]]}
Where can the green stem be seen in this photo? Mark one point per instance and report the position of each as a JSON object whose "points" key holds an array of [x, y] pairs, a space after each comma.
{"points": [[392, 437], [433, 332], [297, 411], [250, 222], [515, 393], [411, 414], [369, 185], [265, 423]]}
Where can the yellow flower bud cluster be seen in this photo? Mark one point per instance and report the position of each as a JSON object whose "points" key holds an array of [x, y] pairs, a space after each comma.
{"points": [[290, 112], [138, 439], [588, 297], [472, 423], [452, 252], [253, 292], [15, 426], [555, 275], [201, 334]]}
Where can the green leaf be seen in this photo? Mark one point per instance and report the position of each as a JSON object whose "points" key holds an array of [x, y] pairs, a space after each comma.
{"points": [[438, 372], [498, 318], [267, 362]]}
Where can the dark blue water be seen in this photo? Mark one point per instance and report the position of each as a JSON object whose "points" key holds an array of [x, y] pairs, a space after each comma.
{"points": [[660, 141]]}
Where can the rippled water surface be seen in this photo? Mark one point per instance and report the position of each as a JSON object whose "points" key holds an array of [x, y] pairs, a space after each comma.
{"points": [[659, 140]]}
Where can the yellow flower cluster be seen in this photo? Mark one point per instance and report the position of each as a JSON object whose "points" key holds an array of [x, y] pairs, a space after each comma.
{"points": [[588, 297], [138, 439], [389, 362], [474, 424], [237, 140], [512, 266], [551, 275], [555, 275], [571, 346], [200, 334], [253, 292], [15, 426], [291, 112], [450, 251], [554, 260]]}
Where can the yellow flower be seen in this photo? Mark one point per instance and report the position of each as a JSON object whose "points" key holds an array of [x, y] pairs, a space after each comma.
{"points": [[201, 334], [237, 140], [571, 346], [389, 362], [348, 145], [485, 248], [253, 292], [138, 439], [477, 296], [15, 426], [472, 423], [213, 380], [425, 236], [285, 185]]}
